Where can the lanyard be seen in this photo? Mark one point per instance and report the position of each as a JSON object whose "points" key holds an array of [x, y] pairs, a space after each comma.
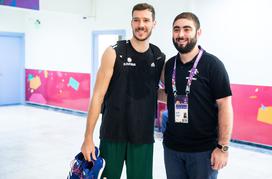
{"points": [[192, 73]]}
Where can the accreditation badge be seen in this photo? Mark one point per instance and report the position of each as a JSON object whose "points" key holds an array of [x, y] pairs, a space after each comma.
{"points": [[181, 109]]}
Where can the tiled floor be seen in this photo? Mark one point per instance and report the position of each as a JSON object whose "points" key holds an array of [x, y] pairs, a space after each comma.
{"points": [[39, 143]]}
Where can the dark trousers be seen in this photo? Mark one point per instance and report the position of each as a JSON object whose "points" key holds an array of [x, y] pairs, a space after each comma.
{"points": [[187, 165]]}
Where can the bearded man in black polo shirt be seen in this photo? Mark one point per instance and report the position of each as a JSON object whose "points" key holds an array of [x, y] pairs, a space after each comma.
{"points": [[200, 115]]}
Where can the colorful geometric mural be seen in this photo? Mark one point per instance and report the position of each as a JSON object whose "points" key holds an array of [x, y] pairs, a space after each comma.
{"points": [[61, 89], [252, 107], [28, 4]]}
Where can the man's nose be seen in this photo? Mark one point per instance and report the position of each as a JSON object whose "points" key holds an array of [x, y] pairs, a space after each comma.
{"points": [[141, 23], [180, 33]]}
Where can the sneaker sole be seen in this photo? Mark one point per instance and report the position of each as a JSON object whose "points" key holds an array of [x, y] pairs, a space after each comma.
{"points": [[101, 170]]}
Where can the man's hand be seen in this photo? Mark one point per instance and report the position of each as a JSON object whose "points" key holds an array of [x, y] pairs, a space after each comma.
{"points": [[88, 149], [219, 159]]}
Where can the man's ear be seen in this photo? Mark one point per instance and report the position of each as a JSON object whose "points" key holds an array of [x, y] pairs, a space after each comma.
{"points": [[199, 32], [154, 23]]}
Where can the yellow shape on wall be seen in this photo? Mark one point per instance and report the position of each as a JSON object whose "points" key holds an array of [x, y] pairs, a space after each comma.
{"points": [[45, 73], [35, 83], [252, 97], [265, 114]]}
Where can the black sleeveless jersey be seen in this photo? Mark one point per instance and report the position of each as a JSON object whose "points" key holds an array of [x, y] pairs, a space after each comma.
{"points": [[129, 106]]}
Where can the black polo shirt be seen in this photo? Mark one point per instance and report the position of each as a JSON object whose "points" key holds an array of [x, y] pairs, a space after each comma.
{"points": [[210, 83]]}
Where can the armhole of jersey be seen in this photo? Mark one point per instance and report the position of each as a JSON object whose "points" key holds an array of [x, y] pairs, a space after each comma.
{"points": [[157, 53], [158, 57], [118, 51]]}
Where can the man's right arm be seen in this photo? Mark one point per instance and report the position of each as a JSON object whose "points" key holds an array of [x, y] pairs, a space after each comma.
{"points": [[103, 78]]}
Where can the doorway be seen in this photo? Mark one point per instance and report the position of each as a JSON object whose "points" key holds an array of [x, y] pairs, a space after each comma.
{"points": [[12, 70]]}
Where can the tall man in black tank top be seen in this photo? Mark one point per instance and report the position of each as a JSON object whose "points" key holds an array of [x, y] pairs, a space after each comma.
{"points": [[126, 93]]}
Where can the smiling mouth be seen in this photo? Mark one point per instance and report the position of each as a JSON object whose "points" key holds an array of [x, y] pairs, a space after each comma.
{"points": [[141, 32], [181, 42]]}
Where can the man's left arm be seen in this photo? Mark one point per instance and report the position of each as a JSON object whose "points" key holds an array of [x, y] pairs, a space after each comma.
{"points": [[219, 158], [225, 120]]}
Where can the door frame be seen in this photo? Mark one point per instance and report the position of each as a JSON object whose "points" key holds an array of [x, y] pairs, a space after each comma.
{"points": [[21, 36]]}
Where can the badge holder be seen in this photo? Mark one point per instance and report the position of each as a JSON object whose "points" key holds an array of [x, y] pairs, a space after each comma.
{"points": [[181, 109], [181, 101]]}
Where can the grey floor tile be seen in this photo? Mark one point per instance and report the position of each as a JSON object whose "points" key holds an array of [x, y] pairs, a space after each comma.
{"points": [[40, 143]]}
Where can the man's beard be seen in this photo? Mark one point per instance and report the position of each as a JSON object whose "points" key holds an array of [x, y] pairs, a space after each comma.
{"points": [[148, 35], [188, 47]]}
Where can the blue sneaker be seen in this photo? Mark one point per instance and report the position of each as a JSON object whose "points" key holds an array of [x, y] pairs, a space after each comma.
{"points": [[97, 153], [79, 163], [76, 167], [94, 170]]}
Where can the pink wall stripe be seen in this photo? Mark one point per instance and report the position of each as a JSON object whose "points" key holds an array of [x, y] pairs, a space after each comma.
{"points": [[252, 107], [62, 89]]}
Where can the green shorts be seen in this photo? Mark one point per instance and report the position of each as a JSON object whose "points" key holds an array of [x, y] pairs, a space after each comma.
{"points": [[138, 159]]}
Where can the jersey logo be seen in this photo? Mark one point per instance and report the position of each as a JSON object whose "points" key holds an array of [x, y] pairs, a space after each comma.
{"points": [[129, 62], [194, 78], [152, 65]]}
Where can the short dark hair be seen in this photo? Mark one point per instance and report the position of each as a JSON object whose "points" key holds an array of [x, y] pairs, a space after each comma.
{"points": [[144, 6], [189, 16]]}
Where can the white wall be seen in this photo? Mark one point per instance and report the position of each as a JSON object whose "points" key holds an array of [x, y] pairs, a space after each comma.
{"points": [[84, 7], [11, 20], [238, 32], [61, 42]]}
